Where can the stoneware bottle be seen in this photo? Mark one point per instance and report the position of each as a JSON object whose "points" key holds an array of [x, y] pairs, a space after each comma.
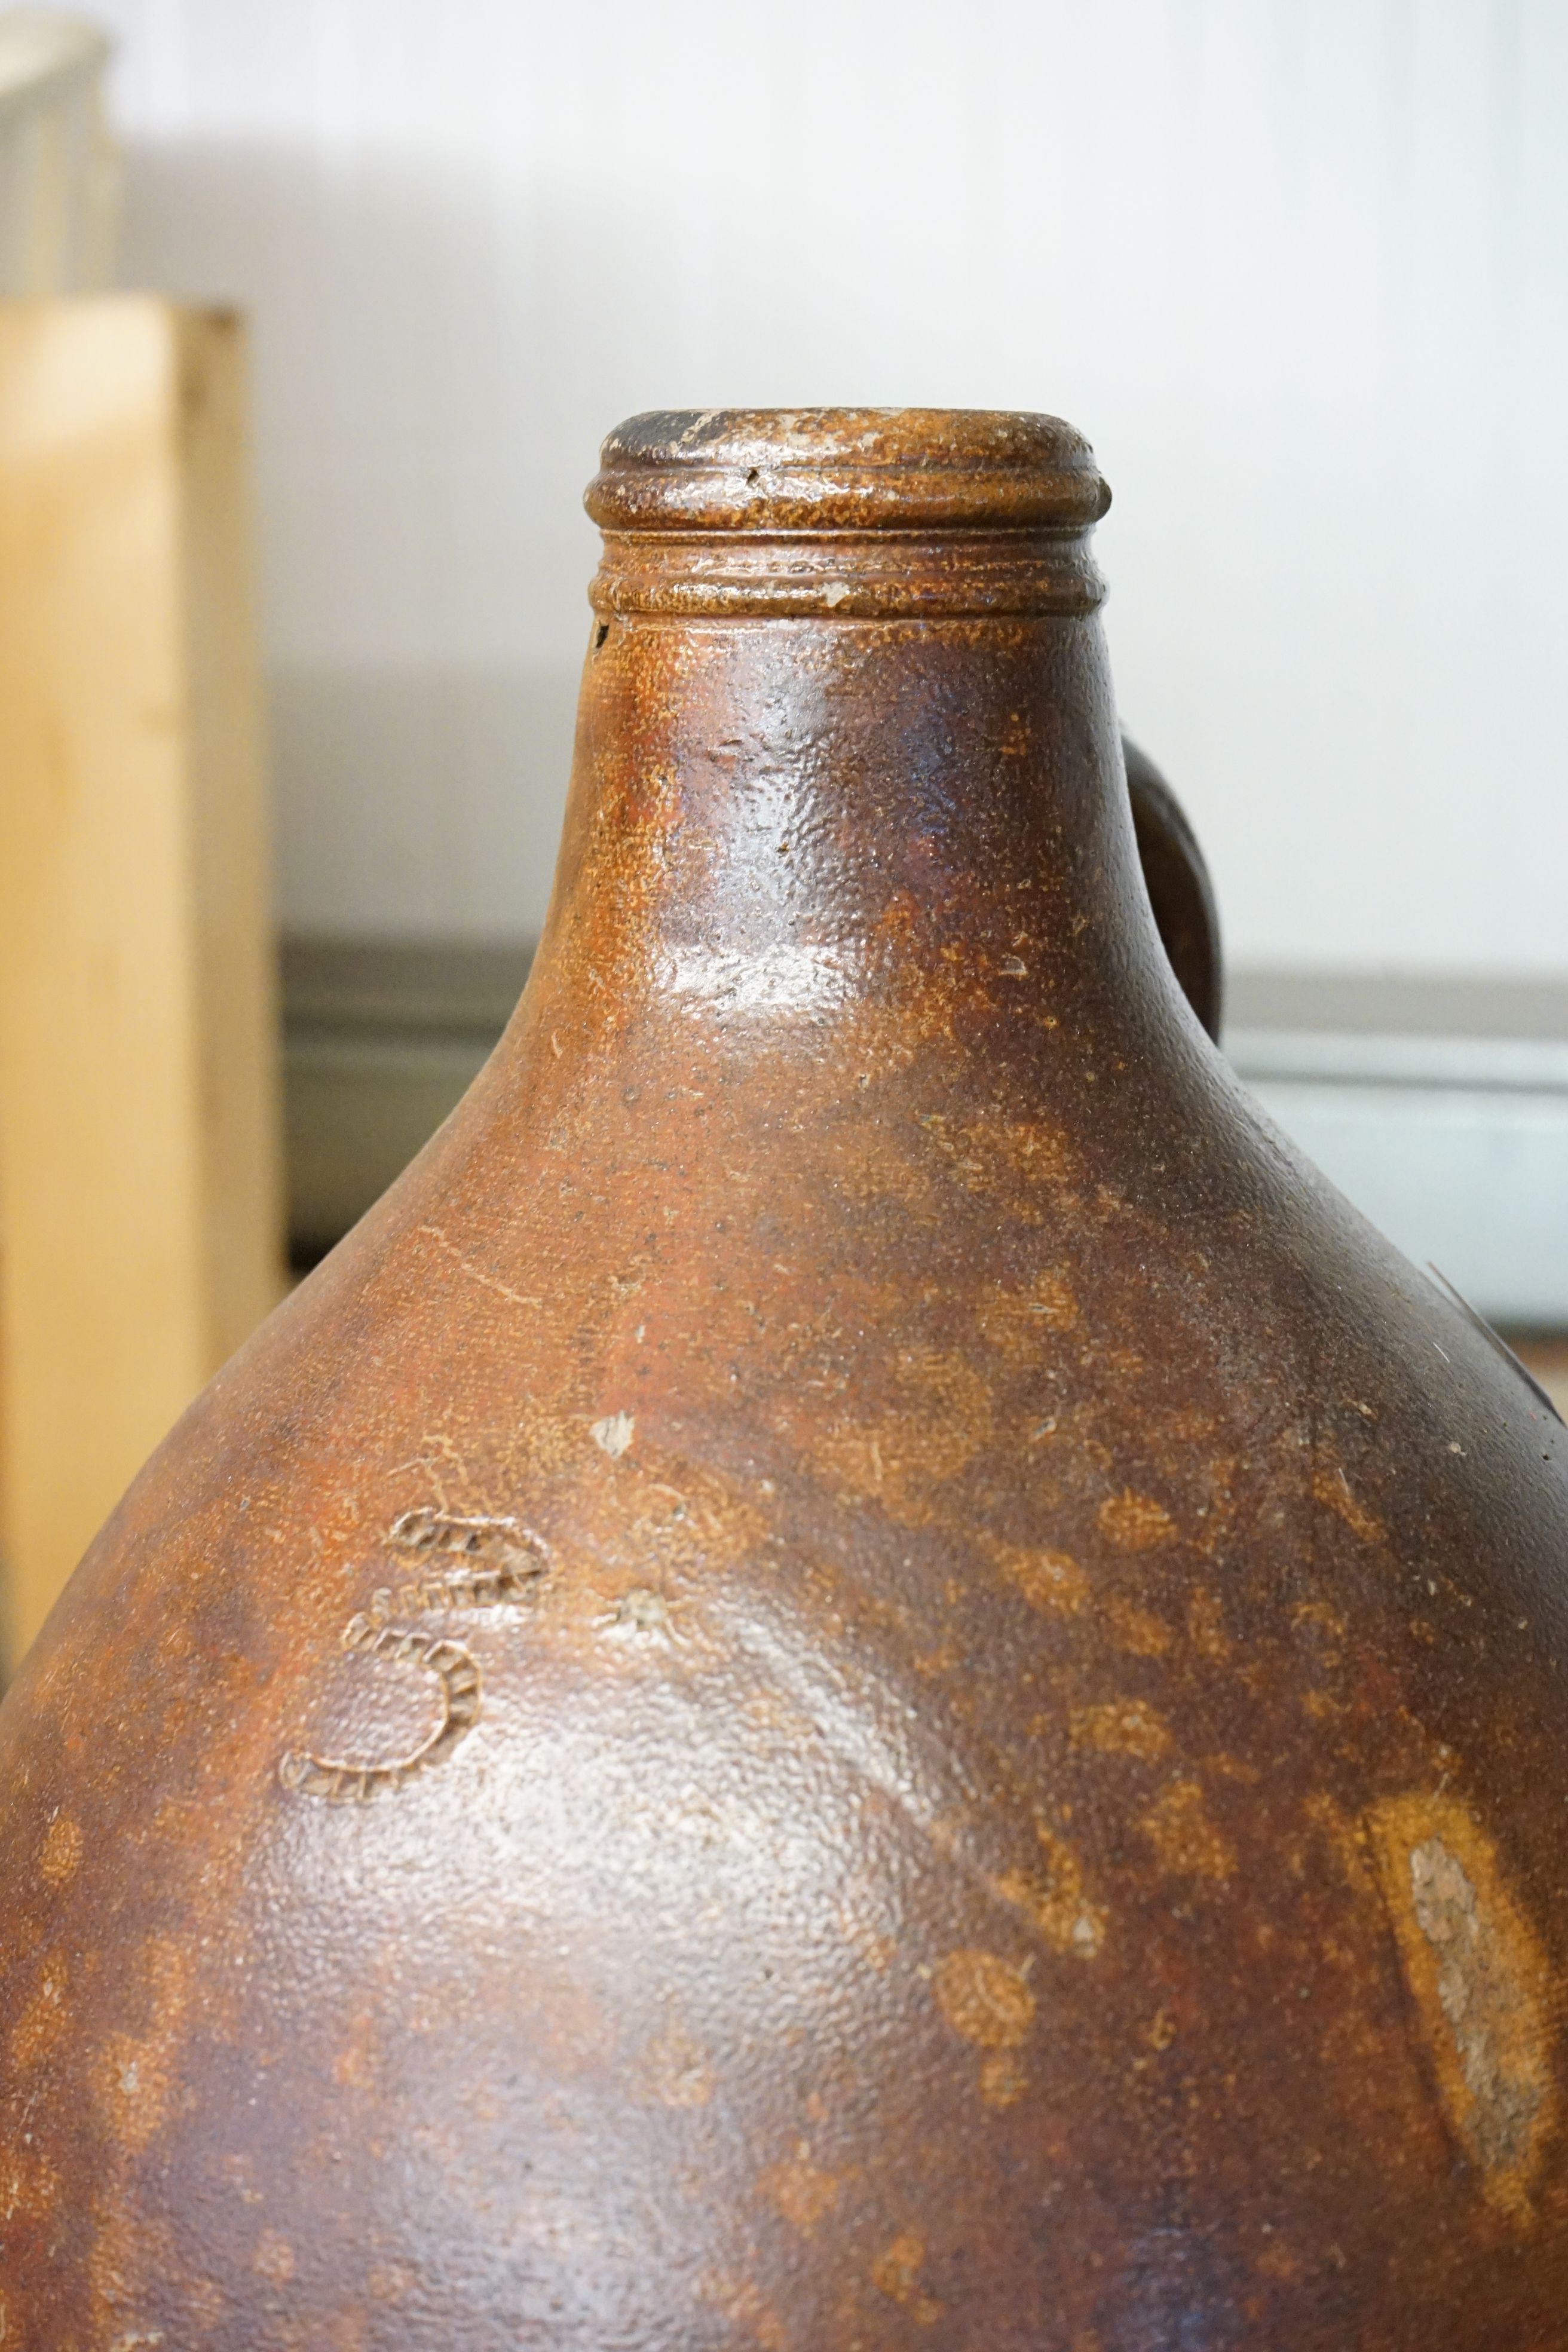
{"points": [[863, 1674]]}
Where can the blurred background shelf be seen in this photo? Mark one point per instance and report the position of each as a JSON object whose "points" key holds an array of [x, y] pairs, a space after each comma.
{"points": [[60, 173]]}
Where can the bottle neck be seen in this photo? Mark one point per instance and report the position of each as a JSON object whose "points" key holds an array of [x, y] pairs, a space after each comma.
{"points": [[778, 821]]}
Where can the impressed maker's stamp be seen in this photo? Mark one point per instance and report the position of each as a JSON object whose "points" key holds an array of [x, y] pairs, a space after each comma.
{"points": [[456, 1566]]}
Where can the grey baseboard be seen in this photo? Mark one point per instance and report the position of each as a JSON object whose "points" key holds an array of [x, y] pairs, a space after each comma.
{"points": [[1440, 1106], [381, 1040]]}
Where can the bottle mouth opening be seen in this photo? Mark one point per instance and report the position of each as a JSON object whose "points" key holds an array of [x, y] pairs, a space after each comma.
{"points": [[859, 513], [857, 469]]}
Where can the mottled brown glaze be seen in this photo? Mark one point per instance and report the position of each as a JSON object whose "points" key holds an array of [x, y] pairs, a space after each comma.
{"points": [[863, 1674]]}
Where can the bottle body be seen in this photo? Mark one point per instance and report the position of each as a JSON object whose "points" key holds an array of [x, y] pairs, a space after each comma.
{"points": [[861, 1672]]}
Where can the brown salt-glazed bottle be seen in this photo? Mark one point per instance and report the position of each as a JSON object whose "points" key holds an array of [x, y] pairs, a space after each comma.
{"points": [[863, 1674]]}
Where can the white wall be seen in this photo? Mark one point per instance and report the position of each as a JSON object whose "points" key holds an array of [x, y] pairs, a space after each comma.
{"points": [[1300, 269]]}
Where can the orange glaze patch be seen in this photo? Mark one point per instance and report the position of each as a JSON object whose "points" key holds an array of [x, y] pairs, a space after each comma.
{"points": [[1127, 1727], [1481, 1984], [983, 1999], [1134, 1522]]}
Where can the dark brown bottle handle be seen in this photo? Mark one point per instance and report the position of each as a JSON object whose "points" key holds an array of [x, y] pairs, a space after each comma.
{"points": [[1177, 879]]}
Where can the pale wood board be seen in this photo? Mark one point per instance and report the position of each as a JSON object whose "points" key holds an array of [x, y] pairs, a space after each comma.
{"points": [[139, 1189]]}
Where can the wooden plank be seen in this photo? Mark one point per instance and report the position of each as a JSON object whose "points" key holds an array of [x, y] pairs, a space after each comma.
{"points": [[140, 1191]]}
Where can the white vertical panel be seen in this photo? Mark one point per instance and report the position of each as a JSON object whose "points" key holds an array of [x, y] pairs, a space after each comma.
{"points": [[1298, 267]]}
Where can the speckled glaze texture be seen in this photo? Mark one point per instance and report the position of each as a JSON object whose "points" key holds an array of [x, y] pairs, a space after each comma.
{"points": [[863, 1677]]}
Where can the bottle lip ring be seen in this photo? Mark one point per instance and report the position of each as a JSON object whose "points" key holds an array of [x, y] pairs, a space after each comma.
{"points": [[855, 469], [846, 575]]}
